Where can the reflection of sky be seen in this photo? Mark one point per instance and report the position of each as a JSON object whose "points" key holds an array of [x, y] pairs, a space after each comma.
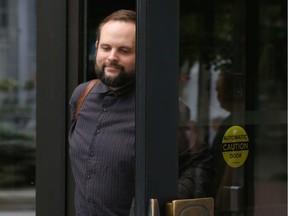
{"points": [[189, 94]]}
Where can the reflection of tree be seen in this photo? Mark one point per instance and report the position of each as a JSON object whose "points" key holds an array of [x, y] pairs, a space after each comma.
{"points": [[11, 109], [206, 31], [29, 85], [17, 148], [207, 37], [9, 87], [17, 158], [212, 34]]}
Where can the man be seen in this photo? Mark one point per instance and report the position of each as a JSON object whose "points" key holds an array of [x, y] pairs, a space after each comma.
{"points": [[228, 101], [102, 138]]}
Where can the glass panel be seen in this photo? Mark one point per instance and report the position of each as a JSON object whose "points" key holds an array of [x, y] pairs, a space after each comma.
{"points": [[233, 72], [17, 107]]}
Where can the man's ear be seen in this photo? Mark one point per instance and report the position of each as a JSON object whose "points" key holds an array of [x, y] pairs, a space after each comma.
{"points": [[96, 44]]}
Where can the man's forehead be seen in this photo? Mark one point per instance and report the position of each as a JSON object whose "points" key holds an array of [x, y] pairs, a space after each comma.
{"points": [[119, 28], [118, 31]]}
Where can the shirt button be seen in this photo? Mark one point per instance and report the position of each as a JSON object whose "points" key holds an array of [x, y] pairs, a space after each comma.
{"points": [[97, 131], [88, 177], [91, 154], [104, 109]]}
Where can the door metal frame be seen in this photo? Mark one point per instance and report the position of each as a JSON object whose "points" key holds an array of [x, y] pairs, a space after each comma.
{"points": [[51, 108], [156, 103]]}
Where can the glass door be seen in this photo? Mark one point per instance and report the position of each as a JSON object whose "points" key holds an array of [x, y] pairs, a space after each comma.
{"points": [[17, 107], [233, 84]]}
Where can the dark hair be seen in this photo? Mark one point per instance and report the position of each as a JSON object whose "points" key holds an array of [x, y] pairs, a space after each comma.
{"points": [[120, 15]]}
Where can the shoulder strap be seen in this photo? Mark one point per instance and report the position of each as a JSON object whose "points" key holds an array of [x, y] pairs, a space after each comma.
{"points": [[84, 94]]}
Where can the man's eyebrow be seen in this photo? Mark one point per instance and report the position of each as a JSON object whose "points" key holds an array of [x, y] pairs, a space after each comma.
{"points": [[122, 47], [104, 44], [126, 47]]}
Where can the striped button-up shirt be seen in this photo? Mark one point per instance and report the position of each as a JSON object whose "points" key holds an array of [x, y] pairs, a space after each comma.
{"points": [[102, 151]]}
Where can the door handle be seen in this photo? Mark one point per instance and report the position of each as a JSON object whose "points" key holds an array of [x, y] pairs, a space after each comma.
{"points": [[153, 208], [191, 207], [232, 198], [184, 207]]}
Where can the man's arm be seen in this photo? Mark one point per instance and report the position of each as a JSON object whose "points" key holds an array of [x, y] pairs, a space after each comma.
{"points": [[196, 173]]}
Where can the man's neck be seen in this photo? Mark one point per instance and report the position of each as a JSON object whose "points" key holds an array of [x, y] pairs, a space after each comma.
{"points": [[125, 88]]}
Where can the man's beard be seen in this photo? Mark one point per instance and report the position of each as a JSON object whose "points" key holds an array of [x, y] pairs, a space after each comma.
{"points": [[124, 78]]}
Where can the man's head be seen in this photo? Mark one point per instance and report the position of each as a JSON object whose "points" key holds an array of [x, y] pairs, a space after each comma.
{"points": [[224, 88], [116, 49]]}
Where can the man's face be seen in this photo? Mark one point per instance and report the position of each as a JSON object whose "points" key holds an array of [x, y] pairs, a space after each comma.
{"points": [[115, 53], [224, 88]]}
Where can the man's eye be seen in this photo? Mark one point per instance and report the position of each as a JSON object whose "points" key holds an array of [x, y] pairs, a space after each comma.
{"points": [[105, 48], [125, 51]]}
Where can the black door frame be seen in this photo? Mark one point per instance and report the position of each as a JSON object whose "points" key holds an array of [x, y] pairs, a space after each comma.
{"points": [[156, 103], [51, 108], [59, 61]]}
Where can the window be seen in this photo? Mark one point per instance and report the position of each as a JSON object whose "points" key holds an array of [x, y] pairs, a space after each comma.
{"points": [[17, 107], [3, 15], [233, 58]]}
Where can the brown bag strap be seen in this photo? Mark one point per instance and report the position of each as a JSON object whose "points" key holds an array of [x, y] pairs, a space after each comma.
{"points": [[84, 94]]}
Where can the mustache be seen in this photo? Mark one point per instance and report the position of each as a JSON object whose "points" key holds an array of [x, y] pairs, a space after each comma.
{"points": [[113, 64]]}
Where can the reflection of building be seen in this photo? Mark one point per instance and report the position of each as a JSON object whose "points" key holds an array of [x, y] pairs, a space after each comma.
{"points": [[17, 106], [18, 42]]}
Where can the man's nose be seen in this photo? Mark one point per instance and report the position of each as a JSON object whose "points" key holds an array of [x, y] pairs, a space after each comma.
{"points": [[112, 56]]}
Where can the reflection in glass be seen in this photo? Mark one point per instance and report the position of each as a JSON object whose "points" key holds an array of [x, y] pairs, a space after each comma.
{"points": [[196, 168], [17, 107], [233, 71]]}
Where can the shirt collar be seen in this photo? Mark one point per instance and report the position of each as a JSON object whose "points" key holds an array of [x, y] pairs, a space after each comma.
{"points": [[101, 88]]}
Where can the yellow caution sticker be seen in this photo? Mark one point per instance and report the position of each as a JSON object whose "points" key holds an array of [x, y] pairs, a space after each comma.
{"points": [[235, 146]]}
